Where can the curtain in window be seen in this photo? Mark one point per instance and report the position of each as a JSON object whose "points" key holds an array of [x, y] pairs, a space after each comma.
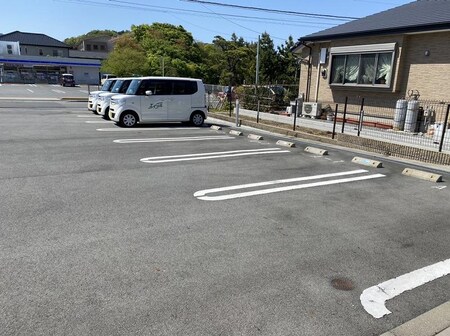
{"points": [[384, 70], [337, 69], [367, 73], [351, 69]]}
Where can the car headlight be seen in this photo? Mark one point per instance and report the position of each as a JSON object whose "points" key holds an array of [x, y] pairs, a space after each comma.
{"points": [[118, 102]]}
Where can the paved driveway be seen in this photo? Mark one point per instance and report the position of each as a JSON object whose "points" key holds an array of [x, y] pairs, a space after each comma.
{"points": [[175, 230]]}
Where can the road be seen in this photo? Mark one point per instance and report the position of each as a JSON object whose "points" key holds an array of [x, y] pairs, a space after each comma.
{"points": [[175, 230]]}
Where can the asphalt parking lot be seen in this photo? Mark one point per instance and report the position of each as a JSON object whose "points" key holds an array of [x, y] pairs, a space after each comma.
{"points": [[176, 230]]}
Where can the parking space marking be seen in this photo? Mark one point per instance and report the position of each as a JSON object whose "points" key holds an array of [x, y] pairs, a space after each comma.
{"points": [[30, 90], [180, 139], [373, 299], [98, 122], [137, 129], [202, 193], [213, 155], [58, 91], [87, 116]]}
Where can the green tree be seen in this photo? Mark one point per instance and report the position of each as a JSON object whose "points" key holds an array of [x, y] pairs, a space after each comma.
{"points": [[269, 60], [236, 60], [128, 58], [76, 40], [289, 64], [169, 48]]}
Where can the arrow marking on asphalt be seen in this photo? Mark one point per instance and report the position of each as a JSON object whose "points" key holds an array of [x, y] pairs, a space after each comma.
{"points": [[202, 194], [373, 299], [213, 155]]}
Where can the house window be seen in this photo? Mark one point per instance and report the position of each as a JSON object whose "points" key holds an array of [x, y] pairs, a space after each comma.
{"points": [[102, 48], [369, 65], [41, 52], [95, 47], [88, 47], [55, 52]]}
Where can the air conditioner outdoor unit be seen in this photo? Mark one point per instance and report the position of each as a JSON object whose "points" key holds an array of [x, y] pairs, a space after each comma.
{"points": [[313, 110]]}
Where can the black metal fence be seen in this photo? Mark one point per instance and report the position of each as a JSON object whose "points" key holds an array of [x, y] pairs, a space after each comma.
{"points": [[418, 123]]}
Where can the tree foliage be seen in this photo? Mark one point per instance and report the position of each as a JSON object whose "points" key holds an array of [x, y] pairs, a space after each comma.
{"points": [[162, 48], [76, 40], [127, 59]]}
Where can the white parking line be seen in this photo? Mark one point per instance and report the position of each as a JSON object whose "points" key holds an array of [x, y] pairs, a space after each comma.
{"points": [[33, 85], [87, 116], [373, 299], [205, 138], [213, 155], [58, 91], [30, 90], [137, 129], [202, 193], [98, 122]]}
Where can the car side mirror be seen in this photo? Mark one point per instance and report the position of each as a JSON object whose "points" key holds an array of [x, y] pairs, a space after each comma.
{"points": [[148, 93]]}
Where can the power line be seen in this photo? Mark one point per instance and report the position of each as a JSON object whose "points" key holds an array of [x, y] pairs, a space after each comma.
{"points": [[278, 11]]}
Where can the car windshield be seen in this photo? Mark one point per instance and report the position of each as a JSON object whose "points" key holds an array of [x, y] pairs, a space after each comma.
{"points": [[134, 86], [107, 85], [117, 86]]}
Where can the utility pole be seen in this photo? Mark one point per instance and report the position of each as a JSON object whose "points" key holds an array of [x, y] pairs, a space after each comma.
{"points": [[257, 79]]}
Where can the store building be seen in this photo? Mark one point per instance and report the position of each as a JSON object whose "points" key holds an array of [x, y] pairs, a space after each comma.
{"points": [[38, 58]]}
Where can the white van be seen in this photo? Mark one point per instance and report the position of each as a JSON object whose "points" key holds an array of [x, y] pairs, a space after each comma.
{"points": [[105, 77], [93, 96], [104, 99], [160, 99]]}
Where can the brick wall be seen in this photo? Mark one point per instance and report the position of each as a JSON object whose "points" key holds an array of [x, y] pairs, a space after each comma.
{"points": [[428, 74], [412, 69]]}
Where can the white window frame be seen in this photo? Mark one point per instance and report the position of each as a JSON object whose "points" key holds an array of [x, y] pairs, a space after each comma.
{"points": [[360, 50]]}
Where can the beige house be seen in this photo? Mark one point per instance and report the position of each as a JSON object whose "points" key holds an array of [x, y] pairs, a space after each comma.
{"points": [[401, 52]]}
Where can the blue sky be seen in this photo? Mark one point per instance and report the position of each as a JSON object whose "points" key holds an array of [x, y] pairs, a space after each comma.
{"points": [[67, 18]]}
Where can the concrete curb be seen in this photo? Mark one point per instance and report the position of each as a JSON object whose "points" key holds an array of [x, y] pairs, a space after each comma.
{"points": [[233, 132], [434, 322], [78, 99], [255, 137], [285, 143], [367, 162], [317, 151], [344, 140], [216, 128], [423, 175]]}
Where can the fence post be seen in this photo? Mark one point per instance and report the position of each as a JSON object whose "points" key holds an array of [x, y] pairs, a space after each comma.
{"points": [[444, 127], [334, 121], [361, 117], [237, 113], [257, 112], [345, 115], [295, 114]]}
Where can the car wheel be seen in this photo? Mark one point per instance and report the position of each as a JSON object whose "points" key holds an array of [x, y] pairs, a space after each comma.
{"points": [[197, 118], [106, 115], [128, 119]]}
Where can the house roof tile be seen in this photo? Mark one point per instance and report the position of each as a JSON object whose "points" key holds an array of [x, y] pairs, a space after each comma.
{"points": [[420, 15], [35, 39]]}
